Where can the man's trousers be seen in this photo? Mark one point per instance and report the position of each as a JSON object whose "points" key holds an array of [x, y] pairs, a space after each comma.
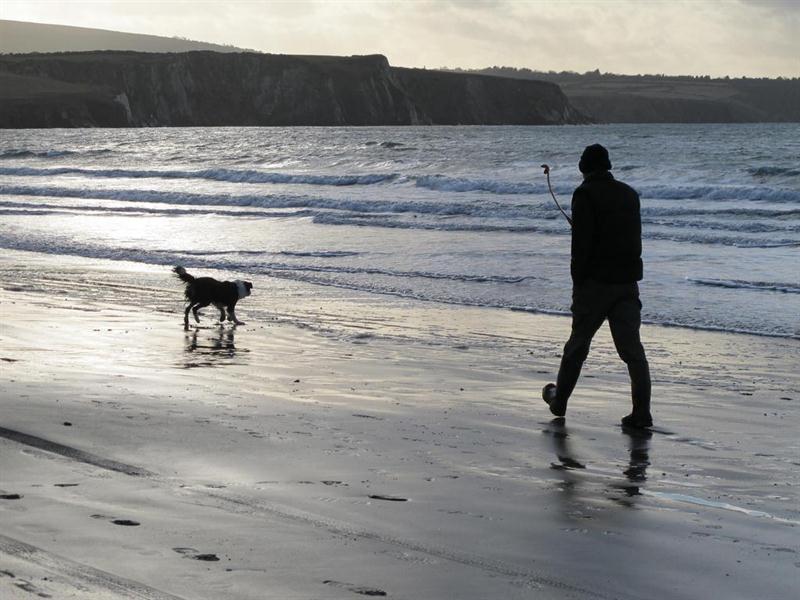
{"points": [[592, 303]]}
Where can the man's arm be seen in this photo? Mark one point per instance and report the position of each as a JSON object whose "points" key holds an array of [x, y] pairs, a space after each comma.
{"points": [[582, 234]]}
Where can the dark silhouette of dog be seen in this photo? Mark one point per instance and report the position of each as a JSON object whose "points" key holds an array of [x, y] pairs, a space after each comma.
{"points": [[203, 291]]}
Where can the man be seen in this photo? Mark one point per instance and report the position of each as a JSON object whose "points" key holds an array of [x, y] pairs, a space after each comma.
{"points": [[606, 266]]}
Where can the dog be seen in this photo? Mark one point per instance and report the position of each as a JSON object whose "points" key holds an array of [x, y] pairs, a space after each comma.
{"points": [[202, 291]]}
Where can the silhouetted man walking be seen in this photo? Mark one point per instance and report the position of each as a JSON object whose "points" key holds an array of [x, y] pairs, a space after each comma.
{"points": [[606, 266]]}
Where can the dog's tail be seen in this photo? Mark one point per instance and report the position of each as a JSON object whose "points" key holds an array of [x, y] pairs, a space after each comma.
{"points": [[181, 274]]}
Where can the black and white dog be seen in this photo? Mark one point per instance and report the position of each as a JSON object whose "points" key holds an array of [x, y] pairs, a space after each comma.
{"points": [[202, 291]]}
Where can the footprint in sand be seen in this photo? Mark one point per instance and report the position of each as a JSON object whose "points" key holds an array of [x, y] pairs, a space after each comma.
{"points": [[356, 589], [196, 554], [27, 586], [24, 585], [388, 498], [10, 496], [115, 521]]}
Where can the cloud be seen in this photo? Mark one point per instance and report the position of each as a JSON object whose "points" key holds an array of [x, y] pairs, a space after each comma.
{"points": [[715, 37]]}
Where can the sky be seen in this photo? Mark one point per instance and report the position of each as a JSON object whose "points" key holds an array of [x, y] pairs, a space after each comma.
{"points": [[754, 38]]}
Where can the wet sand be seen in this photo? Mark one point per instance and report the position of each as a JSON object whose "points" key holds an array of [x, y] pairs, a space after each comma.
{"points": [[342, 446]]}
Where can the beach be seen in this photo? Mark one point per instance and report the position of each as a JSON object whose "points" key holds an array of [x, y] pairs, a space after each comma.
{"points": [[344, 444]]}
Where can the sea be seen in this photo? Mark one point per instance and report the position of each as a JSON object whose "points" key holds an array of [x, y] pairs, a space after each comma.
{"points": [[448, 215]]}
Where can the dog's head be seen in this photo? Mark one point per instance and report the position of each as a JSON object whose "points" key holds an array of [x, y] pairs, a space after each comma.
{"points": [[243, 287]]}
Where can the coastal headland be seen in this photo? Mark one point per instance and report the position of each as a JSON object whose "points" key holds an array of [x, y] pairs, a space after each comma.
{"points": [[139, 89]]}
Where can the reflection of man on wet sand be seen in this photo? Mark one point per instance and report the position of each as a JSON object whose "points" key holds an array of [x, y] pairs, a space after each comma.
{"points": [[639, 448], [606, 266], [635, 470]]}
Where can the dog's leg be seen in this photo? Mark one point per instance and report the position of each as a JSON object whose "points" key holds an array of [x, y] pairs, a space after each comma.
{"points": [[221, 312], [232, 315], [197, 307], [186, 316]]}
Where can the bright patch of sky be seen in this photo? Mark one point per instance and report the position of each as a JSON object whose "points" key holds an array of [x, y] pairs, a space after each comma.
{"points": [[757, 38]]}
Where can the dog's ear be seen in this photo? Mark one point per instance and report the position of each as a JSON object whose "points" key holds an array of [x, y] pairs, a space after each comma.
{"points": [[248, 285]]}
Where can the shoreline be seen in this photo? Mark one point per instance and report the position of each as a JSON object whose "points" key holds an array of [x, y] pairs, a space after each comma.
{"points": [[390, 297], [340, 444]]}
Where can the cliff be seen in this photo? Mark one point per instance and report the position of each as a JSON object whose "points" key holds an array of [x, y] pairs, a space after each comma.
{"points": [[122, 89], [465, 99]]}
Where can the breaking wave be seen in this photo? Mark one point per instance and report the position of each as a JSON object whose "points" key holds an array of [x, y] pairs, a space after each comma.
{"points": [[731, 227], [774, 171], [269, 201], [739, 284], [24, 153], [441, 183], [231, 175]]}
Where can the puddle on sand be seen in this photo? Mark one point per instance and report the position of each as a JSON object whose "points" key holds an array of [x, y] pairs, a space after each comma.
{"points": [[711, 504]]}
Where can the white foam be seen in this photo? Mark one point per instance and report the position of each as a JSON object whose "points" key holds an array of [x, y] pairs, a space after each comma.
{"points": [[738, 284]]}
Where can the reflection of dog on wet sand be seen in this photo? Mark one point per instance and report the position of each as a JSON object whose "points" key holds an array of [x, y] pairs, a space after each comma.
{"points": [[215, 345], [202, 291]]}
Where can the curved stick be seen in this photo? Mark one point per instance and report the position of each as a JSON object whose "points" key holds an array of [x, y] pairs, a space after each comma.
{"points": [[549, 187]]}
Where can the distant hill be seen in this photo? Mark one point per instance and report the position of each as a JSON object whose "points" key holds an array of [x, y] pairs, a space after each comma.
{"points": [[135, 89], [21, 38], [610, 98]]}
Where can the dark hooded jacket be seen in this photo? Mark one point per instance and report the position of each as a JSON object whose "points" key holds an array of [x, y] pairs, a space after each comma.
{"points": [[606, 231]]}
